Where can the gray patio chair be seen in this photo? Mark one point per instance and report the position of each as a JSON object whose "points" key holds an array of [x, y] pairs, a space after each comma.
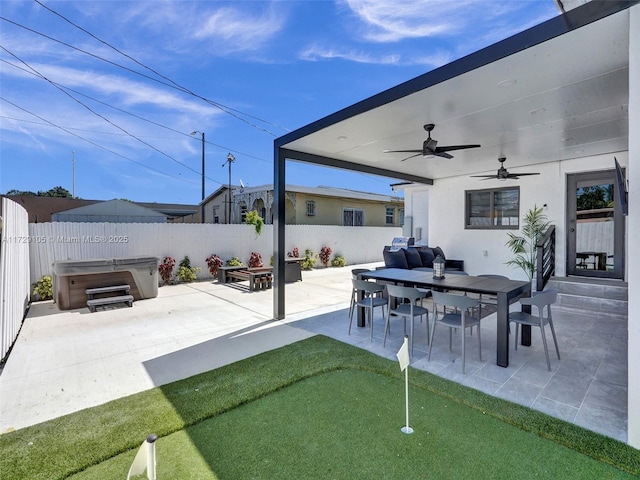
{"points": [[462, 318], [405, 299], [489, 299], [370, 300], [354, 275], [542, 301]]}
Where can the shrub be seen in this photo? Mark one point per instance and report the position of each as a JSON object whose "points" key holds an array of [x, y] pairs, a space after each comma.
{"points": [[187, 273], [234, 262], [44, 288], [309, 260], [166, 270], [255, 260], [325, 255], [295, 253], [252, 218], [214, 262], [338, 261]]}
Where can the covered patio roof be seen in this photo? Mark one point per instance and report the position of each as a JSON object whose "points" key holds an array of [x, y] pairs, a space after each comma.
{"points": [[542, 95], [557, 91]]}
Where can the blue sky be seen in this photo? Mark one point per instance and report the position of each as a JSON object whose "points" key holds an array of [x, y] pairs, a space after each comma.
{"points": [[242, 72]]}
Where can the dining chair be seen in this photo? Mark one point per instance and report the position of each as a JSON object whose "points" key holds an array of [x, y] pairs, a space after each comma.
{"points": [[461, 317], [486, 299], [542, 301], [368, 292], [354, 275], [405, 300]]}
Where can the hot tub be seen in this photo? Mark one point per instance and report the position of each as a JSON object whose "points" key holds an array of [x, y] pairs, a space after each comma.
{"points": [[72, 277]]}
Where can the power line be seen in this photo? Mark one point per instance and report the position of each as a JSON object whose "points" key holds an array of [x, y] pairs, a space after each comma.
{"points": [[222, 147], [96, 113], [226, 109], [94, 143]]}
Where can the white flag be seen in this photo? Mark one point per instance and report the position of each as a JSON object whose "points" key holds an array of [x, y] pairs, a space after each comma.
{"points": [[403, 354], [145, 459]]}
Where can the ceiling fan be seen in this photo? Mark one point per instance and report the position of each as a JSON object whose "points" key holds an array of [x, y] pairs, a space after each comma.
{"points": [[503, 173], [429, 147]]}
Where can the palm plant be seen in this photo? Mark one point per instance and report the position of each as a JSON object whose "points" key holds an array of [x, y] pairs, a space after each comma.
{"points": [[535, 223]]}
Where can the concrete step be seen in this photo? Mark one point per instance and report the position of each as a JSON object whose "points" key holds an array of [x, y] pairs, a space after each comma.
{"points": [[591, 295]]}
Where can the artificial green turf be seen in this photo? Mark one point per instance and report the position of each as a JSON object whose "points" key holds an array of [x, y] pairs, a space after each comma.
{"points": [[346, 425], [58, 448]]}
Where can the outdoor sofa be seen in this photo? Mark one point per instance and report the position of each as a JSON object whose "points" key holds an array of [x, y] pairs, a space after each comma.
{"points": [[418, 257]]}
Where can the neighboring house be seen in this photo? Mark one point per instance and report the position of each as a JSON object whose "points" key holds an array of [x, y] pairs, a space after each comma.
{"points": [[561, 101], [42, 209], [307, 206], [112, 211]]}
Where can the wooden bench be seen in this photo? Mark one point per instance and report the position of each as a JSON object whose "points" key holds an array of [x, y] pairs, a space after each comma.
{"points": [[223, 271], [93, 302], [259, 278]]}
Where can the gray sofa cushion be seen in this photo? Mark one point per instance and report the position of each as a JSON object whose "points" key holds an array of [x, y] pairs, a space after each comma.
{"points": [[413, 258], [427, 256], [438, 251], [395, 259]]}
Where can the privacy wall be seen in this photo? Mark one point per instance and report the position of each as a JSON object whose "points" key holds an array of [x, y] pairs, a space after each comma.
{"points": [[51, 242], [14, 268]]}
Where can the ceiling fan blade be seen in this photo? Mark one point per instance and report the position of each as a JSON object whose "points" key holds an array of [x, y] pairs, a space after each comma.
{"points": [[402, 151], [524, 174], [454, 147], [412, 156], [443, 155]]}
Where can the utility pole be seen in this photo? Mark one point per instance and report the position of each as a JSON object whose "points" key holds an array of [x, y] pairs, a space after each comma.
{"points": [[73, 174], [230, 160]]}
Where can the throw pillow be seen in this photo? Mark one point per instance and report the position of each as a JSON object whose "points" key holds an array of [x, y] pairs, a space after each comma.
{"points": [[413, 258], [394, 259], [438, 251], [427, 256]]}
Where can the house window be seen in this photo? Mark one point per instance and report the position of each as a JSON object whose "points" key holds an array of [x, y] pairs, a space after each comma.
{"points": [[352, 217], [389, 216], [311, 208], [216, 217], [243, 213], [497, 208]]}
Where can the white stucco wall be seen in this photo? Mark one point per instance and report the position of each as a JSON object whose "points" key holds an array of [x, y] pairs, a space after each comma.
{"points": [[439, 209], [633, 230]]}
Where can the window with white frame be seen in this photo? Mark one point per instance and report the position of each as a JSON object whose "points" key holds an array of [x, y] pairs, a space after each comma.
{"points": [[390, 215], [352, 217], [311, 208], [497, 208]]}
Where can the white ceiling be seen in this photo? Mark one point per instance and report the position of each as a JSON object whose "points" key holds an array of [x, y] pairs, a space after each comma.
{"points": [[569, 100]]}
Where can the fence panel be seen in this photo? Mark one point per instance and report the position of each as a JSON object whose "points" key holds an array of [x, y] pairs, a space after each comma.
{"points": [[77, 241], [15, 287]]}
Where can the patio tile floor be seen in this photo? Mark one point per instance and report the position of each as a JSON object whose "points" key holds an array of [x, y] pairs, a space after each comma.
{"points": [[66, 361]]}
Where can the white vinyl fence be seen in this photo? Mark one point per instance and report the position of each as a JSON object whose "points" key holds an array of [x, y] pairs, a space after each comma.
{"points": [[14, 272], [77, 241]]}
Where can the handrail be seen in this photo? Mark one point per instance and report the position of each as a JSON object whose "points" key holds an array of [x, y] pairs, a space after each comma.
{"points": [[545, 258]]}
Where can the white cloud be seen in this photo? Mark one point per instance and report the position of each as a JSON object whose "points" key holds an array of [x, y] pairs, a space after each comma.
{"points": [[394, 20], [314, 53]]}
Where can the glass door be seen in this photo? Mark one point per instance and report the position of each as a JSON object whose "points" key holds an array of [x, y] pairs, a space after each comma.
{"points": [[595, 226]]}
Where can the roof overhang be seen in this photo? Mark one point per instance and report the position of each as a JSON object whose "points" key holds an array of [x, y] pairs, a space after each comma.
{"points": [[555, 91]]}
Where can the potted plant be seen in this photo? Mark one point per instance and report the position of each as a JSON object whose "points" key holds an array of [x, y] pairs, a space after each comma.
{"points": [[255, 260], [166, 269], [535, 224], [325, 255], [43, 288], [187, 273], [214, 262]]}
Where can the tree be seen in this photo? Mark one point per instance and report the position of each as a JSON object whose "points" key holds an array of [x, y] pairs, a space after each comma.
{"points": [[524, 247], [58, 192]]}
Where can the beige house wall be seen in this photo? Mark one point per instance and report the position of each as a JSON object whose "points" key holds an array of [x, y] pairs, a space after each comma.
{"points": [[329, 210]]}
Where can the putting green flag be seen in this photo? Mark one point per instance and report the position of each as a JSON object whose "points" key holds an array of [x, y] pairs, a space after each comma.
{"points": [[145, 459], [403, 354]]}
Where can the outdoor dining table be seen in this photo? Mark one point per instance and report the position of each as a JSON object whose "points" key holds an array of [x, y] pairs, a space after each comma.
{"points": [[505, 290]]}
